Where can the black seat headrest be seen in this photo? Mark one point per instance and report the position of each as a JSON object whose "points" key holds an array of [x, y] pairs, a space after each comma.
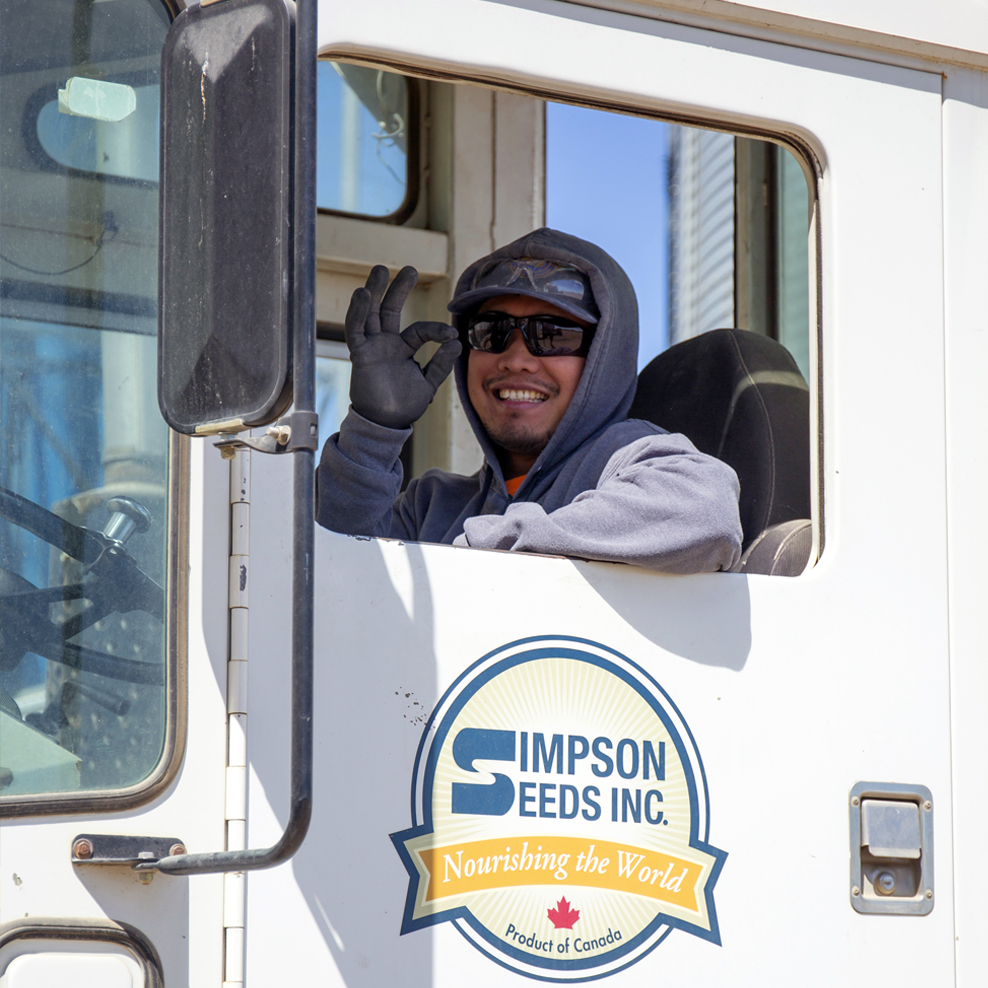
{"points": [[739, 396]]}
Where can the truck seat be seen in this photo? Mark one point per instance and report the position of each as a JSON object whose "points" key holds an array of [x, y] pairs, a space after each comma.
{"points": [[739, 396]]}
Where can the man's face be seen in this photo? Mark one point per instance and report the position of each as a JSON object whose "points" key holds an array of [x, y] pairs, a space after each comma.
{"points": [[519, 397]]}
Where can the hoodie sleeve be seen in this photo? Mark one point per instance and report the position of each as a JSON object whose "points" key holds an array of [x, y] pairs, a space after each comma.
{"points": [[358, 480], [659, 503]]}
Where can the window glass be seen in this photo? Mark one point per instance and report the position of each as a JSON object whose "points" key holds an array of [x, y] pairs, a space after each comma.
{"points": [[84, 472], [793, 201], [363, 140]]}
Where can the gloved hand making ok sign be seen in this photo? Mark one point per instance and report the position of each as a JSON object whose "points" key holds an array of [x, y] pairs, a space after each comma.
{"points": [[387, 386]]}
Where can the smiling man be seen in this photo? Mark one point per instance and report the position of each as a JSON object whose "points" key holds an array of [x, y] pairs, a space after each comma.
{"points": [[545, 343], [521, 396]]}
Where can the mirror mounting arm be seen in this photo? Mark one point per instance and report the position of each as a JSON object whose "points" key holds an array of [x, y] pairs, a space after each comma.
{"points": [[295, 431]]}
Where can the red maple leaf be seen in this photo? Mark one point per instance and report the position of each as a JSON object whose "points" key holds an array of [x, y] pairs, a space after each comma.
{"points": [[562, 916]]}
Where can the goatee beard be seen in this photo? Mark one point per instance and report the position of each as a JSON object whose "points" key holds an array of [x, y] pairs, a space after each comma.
{"points": [[519, 440]]}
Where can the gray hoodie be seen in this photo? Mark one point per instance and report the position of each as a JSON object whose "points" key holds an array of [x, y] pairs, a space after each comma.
{"points": [[605, 486]]}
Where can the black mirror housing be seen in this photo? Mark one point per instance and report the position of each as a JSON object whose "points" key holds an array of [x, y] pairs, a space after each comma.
{"points": [[227, 216]]}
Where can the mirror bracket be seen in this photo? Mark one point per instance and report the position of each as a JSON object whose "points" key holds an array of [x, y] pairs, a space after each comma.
{"points": [[295, 431]]}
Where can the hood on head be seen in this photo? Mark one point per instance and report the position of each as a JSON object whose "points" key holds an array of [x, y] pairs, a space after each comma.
{"points": [[534, 277], [607, 385]]}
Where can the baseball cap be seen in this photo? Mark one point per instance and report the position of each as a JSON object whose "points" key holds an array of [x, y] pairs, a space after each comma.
{"points": [[563, 286]]}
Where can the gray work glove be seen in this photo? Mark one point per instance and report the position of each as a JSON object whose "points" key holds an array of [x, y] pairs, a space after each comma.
{"points": [[387, 386]]}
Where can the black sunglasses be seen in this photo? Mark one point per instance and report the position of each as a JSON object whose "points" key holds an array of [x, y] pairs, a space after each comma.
{"points": [[545, 336]]}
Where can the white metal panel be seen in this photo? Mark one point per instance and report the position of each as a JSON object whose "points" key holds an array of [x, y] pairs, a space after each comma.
{"points": [[966, 316], [910, 34], [959, 24], [776, 724], [788, 685]]}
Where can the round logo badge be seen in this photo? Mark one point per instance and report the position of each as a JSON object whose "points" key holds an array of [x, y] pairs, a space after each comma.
{"points": [[559, 813]]}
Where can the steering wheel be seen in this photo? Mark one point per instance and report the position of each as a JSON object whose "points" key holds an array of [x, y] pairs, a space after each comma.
{"points": [[113, 582]]}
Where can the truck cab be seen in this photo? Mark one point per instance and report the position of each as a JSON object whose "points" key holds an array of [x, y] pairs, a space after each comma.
{"points": [[522, 765]]}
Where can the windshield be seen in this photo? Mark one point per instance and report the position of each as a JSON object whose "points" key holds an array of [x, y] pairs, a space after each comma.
{"points": [[84, 468]]}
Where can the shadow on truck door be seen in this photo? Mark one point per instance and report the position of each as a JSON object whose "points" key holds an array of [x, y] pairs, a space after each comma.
{"points": [[706, 619], [338, 903]]}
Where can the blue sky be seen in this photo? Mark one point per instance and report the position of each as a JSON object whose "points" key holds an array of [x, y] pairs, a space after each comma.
{"points": [[606, 182]]}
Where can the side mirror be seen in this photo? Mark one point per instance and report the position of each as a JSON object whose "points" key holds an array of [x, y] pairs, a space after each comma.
{"points": [[237, 298], [227, 208]]}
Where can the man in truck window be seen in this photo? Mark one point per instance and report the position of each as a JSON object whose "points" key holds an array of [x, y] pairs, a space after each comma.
{"points": [[544, 342]]}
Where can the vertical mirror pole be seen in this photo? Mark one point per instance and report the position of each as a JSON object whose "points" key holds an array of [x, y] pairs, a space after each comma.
{"points": [[305, 397]]}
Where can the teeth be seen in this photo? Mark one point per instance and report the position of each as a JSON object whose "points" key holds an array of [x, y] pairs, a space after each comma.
{"points": [[513, 395]]}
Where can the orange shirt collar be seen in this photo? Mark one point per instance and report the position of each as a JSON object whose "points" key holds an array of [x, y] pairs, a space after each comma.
{"points": [[513, 484]]}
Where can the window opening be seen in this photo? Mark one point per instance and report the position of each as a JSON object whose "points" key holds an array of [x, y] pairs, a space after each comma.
{"points": [[713, 231]]}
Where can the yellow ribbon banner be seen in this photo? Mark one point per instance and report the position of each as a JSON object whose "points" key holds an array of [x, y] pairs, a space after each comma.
{"points": [[476, 866]]}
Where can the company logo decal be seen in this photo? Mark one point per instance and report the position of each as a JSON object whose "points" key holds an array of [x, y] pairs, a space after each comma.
{"points": [[560, 813]]}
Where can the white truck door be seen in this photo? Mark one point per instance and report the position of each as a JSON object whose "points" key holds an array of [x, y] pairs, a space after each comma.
{"points": [[777, 696]]}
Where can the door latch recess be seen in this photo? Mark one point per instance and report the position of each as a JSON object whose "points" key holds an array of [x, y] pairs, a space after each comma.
{"points": [[891, 848]]}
